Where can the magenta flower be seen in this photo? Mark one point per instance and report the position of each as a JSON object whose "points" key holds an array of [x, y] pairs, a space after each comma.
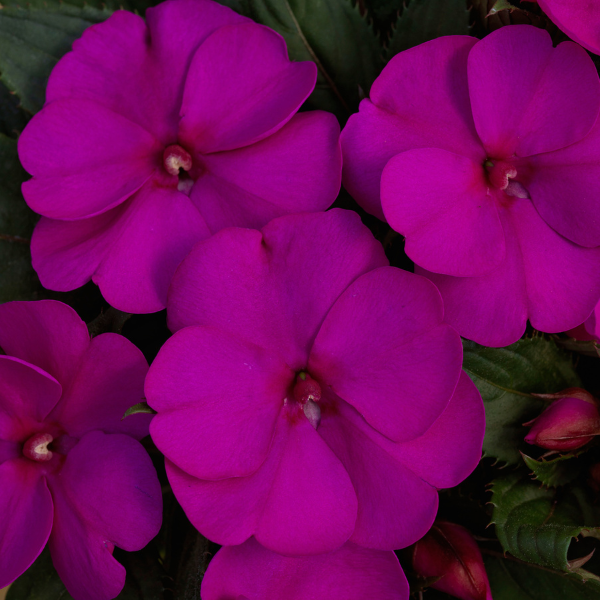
{"points": [[487, 155], [351, 573], [156, 135], [72, 473], [590, 328], [311, 394]]}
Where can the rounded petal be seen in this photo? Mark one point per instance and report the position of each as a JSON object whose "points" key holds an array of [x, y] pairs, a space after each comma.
{"points": [[296, 169], [564, 187], [420, 100], [398, 363], [26, 508], [441, 203], [273, 288], [84, 158], [218, 400], [579, 20], [109, 380], [138, 71], [241, 87], [395, 506], [28, 395], [299, 502], [529, 97], [46, 333], [450, 449], [350, 573], [107, 494]]}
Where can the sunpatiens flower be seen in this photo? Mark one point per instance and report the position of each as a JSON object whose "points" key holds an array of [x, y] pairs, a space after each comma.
{"points": [[488, 156], [311, 394], [156, 135], [579, 19], [590, 329], [350, 573], [72, 473]]}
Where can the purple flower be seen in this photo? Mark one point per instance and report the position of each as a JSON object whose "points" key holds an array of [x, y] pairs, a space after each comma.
{"points": [[487, 156], [154, 136], [311, 394], [590, 328], [72, 473], [252, 572]]}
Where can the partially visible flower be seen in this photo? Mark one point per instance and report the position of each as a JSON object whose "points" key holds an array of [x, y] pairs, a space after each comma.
{"points": [[570, 422], [486, 156], [311, 394], [157, 134], [590, 328], [450, 553], [351, 573], [71, 472]]}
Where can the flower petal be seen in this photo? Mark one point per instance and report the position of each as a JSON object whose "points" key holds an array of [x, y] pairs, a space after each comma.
{"points": [[441, 202], [300, 501], [107, 494], [218, 401], [109, 380], [420, 100], [47, 333], [279, 285], [26, 508], [399, 363], [529, 97], [241, 87], [350, 573], [85, 159], [395, 506], [296, 169]]}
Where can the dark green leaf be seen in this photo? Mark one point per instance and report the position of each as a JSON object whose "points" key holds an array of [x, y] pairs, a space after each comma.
{"points": [[536, 524], [424, 20], [500, 5], [334, 35], [140, 407], [32, 40], [511, 580], [556, 471], [109, 320], [506, 377], [18, 280]]}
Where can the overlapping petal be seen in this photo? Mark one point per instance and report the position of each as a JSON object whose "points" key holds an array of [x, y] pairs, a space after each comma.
{"points": [[443, 204], [350, 573], [262, 91], [528, 97], [273, 288]]}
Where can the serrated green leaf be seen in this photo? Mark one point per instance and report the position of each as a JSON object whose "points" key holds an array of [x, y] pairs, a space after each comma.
{"points": [[506, 377], [536, 524], [424, 20], [511, 580], [555, 472], [18, 280], [333, 34], [33, 39]]}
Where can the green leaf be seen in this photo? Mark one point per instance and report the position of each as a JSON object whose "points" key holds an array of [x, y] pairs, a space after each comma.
{"points": [[33, 39], [333, 34], [506, 377], [555, 472], [109, 320], [511, 580], [139, 408], [18, 280], [536, 524], [500, 5], [424, 20]]}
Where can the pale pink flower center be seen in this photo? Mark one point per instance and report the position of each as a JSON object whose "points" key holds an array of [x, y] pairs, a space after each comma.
{"points": [[176, 158], [36, 447], [307, 392], [501, 174]]}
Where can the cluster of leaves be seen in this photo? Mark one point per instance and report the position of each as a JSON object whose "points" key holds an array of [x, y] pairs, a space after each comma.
{"points": [[538, 505]]}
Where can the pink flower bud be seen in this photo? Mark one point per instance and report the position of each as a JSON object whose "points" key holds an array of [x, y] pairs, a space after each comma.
{"points": [[568, 423], [449, 552]]}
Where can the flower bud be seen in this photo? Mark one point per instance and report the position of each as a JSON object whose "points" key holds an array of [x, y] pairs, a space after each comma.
{"points": [[449, 552], [568, 423]]}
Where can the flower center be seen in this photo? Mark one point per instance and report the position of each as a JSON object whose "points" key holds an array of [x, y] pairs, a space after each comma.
{"points": [[307, 392], [36, 447], [176, 158], [501, 174]]}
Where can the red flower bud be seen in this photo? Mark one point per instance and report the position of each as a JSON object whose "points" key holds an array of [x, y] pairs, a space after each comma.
{"points": [[449, 552], [568, 423]]}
